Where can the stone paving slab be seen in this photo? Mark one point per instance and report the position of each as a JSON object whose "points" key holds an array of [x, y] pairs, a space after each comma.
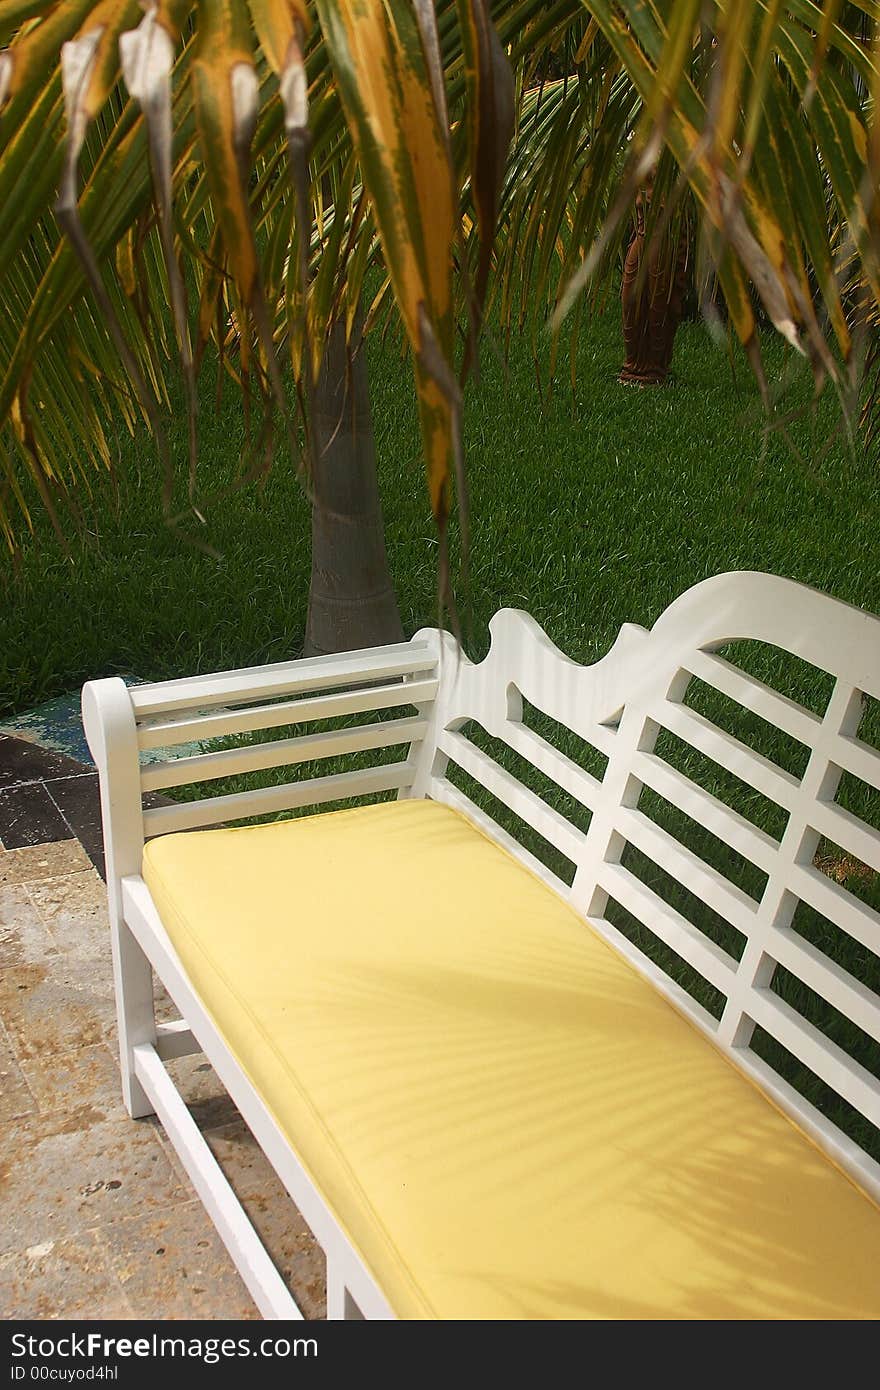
{"points": [[37, 862], [69, 1278], [172, 1264], [16, 1097], [207, 1098], [74, 908], [68, 1173], [24, 763], [98, 1218], [24, 937], [55, 1007], [58, 1081], [47, 796], [78, 801], [29, 816]]}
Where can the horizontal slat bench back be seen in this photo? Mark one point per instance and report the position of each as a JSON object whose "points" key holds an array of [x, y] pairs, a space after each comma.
{"points": [[234, 728]]}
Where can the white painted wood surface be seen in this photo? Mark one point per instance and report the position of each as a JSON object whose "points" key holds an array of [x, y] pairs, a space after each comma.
{"points": [[619, 706], [264, 1283], [282, 678], [316, 791], [167, 733]]}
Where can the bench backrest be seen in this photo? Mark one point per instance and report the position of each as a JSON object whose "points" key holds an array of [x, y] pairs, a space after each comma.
{"points": [[721, 833]]}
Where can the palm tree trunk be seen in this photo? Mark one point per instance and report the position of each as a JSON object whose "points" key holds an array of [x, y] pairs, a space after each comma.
{"points": [[352, 602]]}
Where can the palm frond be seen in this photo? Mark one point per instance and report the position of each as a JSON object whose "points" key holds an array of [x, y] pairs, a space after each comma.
{"points": [[233, 169]]}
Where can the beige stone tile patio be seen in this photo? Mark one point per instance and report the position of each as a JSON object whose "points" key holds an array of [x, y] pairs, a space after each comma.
{"points": [[172, 1264], [35, 862], [24, 937], [16, 1097], [164, 1005], [99, 1220], [91, 1170], [208, 1102], [69, 1278], [54, 1008], [84, 1077], [74, 908]]}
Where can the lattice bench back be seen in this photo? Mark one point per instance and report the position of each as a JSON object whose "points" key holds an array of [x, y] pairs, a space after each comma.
{"points": [[739, 869]]}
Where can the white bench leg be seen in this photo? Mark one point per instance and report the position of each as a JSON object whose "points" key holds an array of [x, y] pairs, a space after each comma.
{"points": [[135, 1014], [268, 1289], [340, 1304], [108, 719]]}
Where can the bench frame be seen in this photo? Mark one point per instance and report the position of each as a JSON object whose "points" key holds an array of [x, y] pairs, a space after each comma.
{"points": [[618, 705]]}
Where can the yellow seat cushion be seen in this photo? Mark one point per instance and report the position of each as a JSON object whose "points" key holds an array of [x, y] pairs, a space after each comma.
{"points": [[505, 1118]]}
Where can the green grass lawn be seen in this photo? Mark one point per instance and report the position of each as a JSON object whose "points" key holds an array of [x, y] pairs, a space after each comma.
{"points": [[589, 512]]}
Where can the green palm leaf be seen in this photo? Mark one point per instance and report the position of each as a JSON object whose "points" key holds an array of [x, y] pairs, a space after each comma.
{"points": [[267, 161]]}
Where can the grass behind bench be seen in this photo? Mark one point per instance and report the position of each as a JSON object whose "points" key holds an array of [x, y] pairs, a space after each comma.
{"points": [[588, 513]]}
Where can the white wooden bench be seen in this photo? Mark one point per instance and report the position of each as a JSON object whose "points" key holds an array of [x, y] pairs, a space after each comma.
{"points": [[480, 1110]]}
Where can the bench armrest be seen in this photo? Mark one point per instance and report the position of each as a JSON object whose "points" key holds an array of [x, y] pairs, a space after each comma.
{"points": [[171, 721]]}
